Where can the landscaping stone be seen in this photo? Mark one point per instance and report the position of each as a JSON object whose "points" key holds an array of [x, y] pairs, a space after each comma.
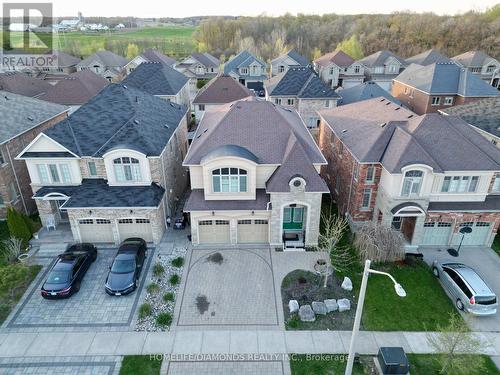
{"points": [[306, 313], [344, 304], [347, 284], [331, 305], [293, 305], [319, 308]]}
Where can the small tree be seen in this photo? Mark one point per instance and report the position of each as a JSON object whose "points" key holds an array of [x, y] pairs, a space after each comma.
{"points": [[352, 47], [132, 51], [17, 226], [379, 243], [13, 247]]}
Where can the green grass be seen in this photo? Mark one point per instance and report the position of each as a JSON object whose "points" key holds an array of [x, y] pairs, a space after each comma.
{"points": [[496, 244], [426, 364], [140, 365]]}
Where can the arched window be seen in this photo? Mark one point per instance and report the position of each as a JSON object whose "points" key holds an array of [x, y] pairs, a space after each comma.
{"points": [[127, 169], [412, 183], [229, 180]]}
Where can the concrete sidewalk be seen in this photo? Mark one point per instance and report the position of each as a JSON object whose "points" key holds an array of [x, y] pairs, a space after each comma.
{"points": [[214, 342]]}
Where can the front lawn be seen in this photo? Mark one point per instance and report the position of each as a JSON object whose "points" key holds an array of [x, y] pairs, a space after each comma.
{"points": [[426, 364], [140, 365]]}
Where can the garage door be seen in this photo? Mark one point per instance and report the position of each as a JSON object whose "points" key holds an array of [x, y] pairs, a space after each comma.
{"points": [[436, 233], [214, 231], [253, 231], [135, 228], [480, 233], [96, 230]]}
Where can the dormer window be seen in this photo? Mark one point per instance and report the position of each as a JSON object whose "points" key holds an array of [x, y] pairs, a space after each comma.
{"points": [[244, 70], [412, 183], [127, 169], [229, 180]]}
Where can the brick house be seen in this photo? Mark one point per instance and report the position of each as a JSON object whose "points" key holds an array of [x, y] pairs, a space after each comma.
{"points": [[23, 119], [388, 165], [428, 89]]}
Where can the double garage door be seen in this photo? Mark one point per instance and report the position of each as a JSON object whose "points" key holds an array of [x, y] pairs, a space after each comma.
{"points": [[101, 230], [219, 231], [439, 233]]}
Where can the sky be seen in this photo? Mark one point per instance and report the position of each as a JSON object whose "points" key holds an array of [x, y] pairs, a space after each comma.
{"points": [[175, 8]]}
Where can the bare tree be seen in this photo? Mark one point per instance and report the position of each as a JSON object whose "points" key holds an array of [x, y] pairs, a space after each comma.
{"points": [[379, 243]]}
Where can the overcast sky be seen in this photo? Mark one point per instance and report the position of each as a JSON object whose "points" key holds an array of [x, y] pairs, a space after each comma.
{"points": [[176, 8]]}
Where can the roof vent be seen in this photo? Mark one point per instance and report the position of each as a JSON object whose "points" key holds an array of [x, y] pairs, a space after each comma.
{"points": [[125, 86], [136, 122], [344, 130], [397, 109], [6, 97], [204, 131], [31, 118], [410, 116], [382, 100], [167, 126], [388, 103], [382, 125]]}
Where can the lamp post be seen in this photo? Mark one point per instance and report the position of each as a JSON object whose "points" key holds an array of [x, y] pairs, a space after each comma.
{"points": [[359, 310]]}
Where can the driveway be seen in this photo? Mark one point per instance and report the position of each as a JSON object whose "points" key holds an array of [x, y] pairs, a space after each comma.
{"points": [[228, 287], [487, 263]]}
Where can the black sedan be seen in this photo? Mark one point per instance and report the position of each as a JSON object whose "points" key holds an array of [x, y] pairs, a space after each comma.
{"points": [[66, 274], [126, 268]]}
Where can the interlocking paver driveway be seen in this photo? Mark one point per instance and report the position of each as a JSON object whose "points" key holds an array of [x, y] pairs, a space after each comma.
{"points": [[239, 290], [224, 368]]}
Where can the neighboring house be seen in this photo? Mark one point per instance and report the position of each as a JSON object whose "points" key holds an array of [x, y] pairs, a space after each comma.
{"points": [[382, 67], [428, 57], [427, 89], [338, 69], [76, 89], [480, 63], [301, 89], [72, 24], [113, 169], [160, 80], [198, 67], [22, 119], [284, 62], [23, 84], [428, 176], [254, 171], [217, 92], [104, 63], [364, 91], [150, 55], [483, 115], [66, 65], [249, 70]]}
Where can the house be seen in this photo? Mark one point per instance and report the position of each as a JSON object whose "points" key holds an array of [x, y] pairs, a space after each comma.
{"points": [[23, 84], [338, 69], [427, 89], [477, 62], [411, 172], [113, 169], [217, 92], [428, 57], [300, 88], [248, 70], [150, 55], [72, 24], [65, 65], [382, 67], [483, 115], [284, 62], [160, 80], [364, 91], [23, 119], [254, 170], [76, 89], [198, 67], [104, 63]]}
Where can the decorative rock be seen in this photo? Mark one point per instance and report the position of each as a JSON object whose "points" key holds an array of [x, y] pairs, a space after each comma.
{"points": [[293, 305], [344, 304], [319, 308], [331, 305], [306, 313], [347, 284]]}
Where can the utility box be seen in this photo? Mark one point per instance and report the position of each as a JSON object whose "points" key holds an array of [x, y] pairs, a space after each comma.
{"points": [[393, 360]]}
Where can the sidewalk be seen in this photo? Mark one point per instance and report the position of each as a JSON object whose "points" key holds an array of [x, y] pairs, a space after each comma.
{"points": [[213, 342]]}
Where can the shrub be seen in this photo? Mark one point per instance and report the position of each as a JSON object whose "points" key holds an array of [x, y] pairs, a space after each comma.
{"points": [[145, 310], [168, 297], [17, 226], [13, 247], [153, 288], [174, 279], [178, 262], [379, 243], [158, 270], [164, 319]]}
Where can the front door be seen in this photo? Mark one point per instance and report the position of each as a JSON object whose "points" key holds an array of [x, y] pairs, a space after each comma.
{"points": [[408, 227], [293, 218], [60, 214]]}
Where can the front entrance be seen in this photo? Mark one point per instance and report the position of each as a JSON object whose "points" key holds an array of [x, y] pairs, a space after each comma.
{"points": [[60, 214], [406, 225], [294, 225], [293, 218]]}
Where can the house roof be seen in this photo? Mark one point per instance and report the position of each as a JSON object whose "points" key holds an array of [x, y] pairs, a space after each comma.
{"points": [[298, 58], [242, 59], [105, 58], [156, 79], [428, 57], [364, 91], [76, 89], [380, 58], [23, 84], [446, 78], [21, 113], [337, 57], [483, 114], [119, 117], [491, 203], [206, 59], [197, 202], [378, 131], [472, 58], [302, 82], [221, 90], [65, 60], [153, 55]]}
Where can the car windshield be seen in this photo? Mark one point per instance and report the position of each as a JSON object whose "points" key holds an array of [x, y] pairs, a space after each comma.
{"points": [[58, 277], [123, 266]]}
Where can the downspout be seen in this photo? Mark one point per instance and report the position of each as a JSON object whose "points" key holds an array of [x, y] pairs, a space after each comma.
{"points": [[17, 180], [350, 190], [166, 206]]}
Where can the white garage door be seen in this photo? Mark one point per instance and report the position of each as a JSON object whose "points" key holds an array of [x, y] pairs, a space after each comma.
{"points": [[96, 230], [436, 233], [135, 228], [479, 235], [253, 231], [214, 231]]}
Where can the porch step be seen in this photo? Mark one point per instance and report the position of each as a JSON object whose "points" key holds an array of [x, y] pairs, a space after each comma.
{"points": [[51, 249]]}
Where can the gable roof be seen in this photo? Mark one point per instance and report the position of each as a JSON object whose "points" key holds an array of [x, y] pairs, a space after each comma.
{"points": [[365, 91], [76, 89], [156, 79], [337, 57], [297, 57], [220, 90], [206, 59], [105, 58], [242, 59], [380, 58], [22, 84], [65, 60], [428, 57], [21, 113], [302, 82], [119, 117], [153, 55], [472, 58]]}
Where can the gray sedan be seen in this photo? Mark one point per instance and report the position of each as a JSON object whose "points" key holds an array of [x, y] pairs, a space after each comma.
{"points": [[467, 289]]}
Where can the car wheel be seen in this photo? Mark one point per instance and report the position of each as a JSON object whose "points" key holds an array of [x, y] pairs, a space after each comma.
{"points": [[94, 257], [435, 271], [77, 287], [460, 305]]}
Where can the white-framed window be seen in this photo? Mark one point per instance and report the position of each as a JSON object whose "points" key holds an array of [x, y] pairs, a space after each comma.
{"points": [[392, 68], [496, 184], [54, 173], [367, 197], [379, 69], [357, 68], [92, 168], [244, 70], [460, 184], [201, 107], [355, 171], [281, 69], [327, 104], [127, 169], [436, 100], [290, 101], [448, 100], [490, 68], [229, 180], [255, 70], [332, 71], [476, 69], [412, 183], [370, 174], [277, 101]]}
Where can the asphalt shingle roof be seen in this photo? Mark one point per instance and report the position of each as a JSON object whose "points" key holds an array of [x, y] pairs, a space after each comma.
{"points": [[471, 58], [23, 84], [242, 59], [380, 58], [428, 57], [364, 91], [221, 90], [197, 202], [65, 60], [156, 79], [337, 57], [153, 55], [206, 59], [106, 58], [491, 203], [298, 58]]}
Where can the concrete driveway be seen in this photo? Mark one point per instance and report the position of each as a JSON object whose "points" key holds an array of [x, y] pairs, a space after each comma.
{"points": [[487, 264]]}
